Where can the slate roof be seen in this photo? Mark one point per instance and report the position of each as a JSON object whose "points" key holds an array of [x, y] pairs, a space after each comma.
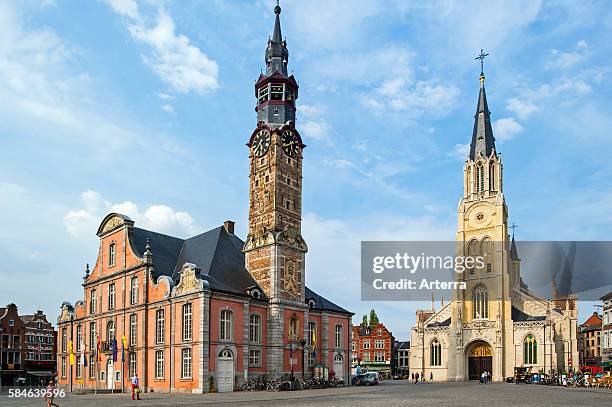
{"points": [[520, 316], [446, 322], [217, 253], [483, 141], [402, 345]]}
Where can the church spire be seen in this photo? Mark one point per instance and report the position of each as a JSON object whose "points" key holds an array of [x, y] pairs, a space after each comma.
{"points": [[483, 141]]}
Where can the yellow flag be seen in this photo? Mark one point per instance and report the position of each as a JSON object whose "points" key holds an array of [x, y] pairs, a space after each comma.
{"points": [[124, 341], [71, 352], [314, 337]]}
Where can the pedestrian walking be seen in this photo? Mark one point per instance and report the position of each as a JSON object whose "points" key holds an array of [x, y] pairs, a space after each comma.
{"points": [[431, 376], [50, 395], [416, 378], [135, 387]]}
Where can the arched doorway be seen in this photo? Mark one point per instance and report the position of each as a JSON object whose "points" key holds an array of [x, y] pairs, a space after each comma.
{"points": [[480, 359], [225, 371], [339, 366]]}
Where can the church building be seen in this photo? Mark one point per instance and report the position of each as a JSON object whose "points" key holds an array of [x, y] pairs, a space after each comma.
{"points": [[496, 323], [204, 313]]}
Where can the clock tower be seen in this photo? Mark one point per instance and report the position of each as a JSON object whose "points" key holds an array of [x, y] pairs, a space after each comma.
{"points": [[274, 248]]}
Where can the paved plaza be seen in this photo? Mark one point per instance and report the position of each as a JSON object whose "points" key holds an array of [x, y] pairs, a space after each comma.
{"points": [[387, 394]]}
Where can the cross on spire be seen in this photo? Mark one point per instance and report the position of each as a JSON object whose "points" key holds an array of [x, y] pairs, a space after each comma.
{"points": [[482, 57], [513, 227]]}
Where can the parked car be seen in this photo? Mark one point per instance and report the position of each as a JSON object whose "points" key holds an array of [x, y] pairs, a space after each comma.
{"points": [[365, 379]]}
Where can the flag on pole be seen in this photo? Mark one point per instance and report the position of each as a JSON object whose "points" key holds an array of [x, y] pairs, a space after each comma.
{"points": [[83, 354], [114, 350], [98, 351], [71, 352], [124, 343], [314, 342]]}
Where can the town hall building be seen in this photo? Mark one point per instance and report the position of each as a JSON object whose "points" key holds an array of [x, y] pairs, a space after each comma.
{"points": [[204, 313], [496, 323]]}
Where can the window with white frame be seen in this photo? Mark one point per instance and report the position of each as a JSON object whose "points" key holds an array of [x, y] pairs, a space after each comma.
{"points": [[79, 369], [187, 322], [64, 340], [379, 357], [92, 335], [134, 290], [366, 344], [92, 367], [366, 357], [159, 326], [338, 336], [133, 330], [311, 359], [186, 363], [159, 364], [225, 329], [112, 250], [255, 358], [92, 301], [64, 366], [255, 328], [379, 344], [111, 296], [79, 337], [132, 363]]}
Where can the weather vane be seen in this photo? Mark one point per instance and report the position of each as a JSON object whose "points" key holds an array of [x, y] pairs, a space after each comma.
{"points": [[482, 57]]}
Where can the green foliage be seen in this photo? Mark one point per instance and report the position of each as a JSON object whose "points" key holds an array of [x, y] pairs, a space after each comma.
{"points": [[373, 318], [364, 321]]}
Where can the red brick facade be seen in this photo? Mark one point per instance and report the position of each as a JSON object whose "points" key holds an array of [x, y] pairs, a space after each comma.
{"points": [[372, 347]]}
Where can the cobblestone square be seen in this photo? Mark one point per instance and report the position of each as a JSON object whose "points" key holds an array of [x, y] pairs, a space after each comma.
{"points": [[386, 394]]}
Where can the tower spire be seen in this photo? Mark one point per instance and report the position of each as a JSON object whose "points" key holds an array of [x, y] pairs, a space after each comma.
{"points": [[277, 37], [483, 141]]}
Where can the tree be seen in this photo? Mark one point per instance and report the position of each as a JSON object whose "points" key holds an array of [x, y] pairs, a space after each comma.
{"points": [[364, 321], [373, 318]]}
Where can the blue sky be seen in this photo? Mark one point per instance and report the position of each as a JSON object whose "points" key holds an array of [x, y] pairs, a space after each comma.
{"points": [[144, 108]]}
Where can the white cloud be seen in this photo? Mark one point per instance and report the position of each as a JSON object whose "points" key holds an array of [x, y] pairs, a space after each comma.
{"points": [[460, 151], [160, 218], [168, 108], [522, 108], [506, 128], [314, 125], [567, 59], [177, 62]]}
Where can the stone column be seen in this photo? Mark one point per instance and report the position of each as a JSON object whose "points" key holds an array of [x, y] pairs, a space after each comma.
{"points": [[204, 339]]}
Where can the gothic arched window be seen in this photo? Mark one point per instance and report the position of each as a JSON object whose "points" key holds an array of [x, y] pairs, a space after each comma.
{"points": [[435, 353], [530, 350], [468, 181], [480, 302], [492, 177], [488, 253], [479, 178]]}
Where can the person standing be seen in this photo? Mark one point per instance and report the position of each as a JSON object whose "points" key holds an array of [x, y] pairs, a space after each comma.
{"points": [[431, 376], [135, 387], [416, 377]]}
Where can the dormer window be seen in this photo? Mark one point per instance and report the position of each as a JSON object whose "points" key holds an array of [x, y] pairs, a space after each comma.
{"points": [[255, 293], [311, 303], [111, 254]]}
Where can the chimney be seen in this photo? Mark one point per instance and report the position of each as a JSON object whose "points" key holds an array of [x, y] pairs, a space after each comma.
{"points": [[229, 226]]}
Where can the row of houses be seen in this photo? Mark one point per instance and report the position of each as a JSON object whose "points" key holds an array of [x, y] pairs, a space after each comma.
{"points": [[28, 348], [595, 336]]}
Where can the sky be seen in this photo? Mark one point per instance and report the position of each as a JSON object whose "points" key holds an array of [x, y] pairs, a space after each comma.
{"points": [[144, 108]]}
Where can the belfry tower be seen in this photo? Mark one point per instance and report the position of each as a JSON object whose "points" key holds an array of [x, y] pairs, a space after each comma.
{"points": [[483, 231], [274, 248]]}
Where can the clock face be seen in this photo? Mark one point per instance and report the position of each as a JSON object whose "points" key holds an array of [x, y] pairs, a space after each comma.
{"points": [[261, 143], [291, 144]]}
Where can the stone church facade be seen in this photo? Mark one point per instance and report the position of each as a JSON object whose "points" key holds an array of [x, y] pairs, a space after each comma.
{"points": [[204, 313], [496, 323]]}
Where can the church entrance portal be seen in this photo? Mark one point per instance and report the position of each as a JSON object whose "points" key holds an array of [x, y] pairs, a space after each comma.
{"points": [[480, 359]]}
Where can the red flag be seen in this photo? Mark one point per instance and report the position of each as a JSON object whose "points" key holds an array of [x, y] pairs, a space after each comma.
{"points": [[99, 352]]}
